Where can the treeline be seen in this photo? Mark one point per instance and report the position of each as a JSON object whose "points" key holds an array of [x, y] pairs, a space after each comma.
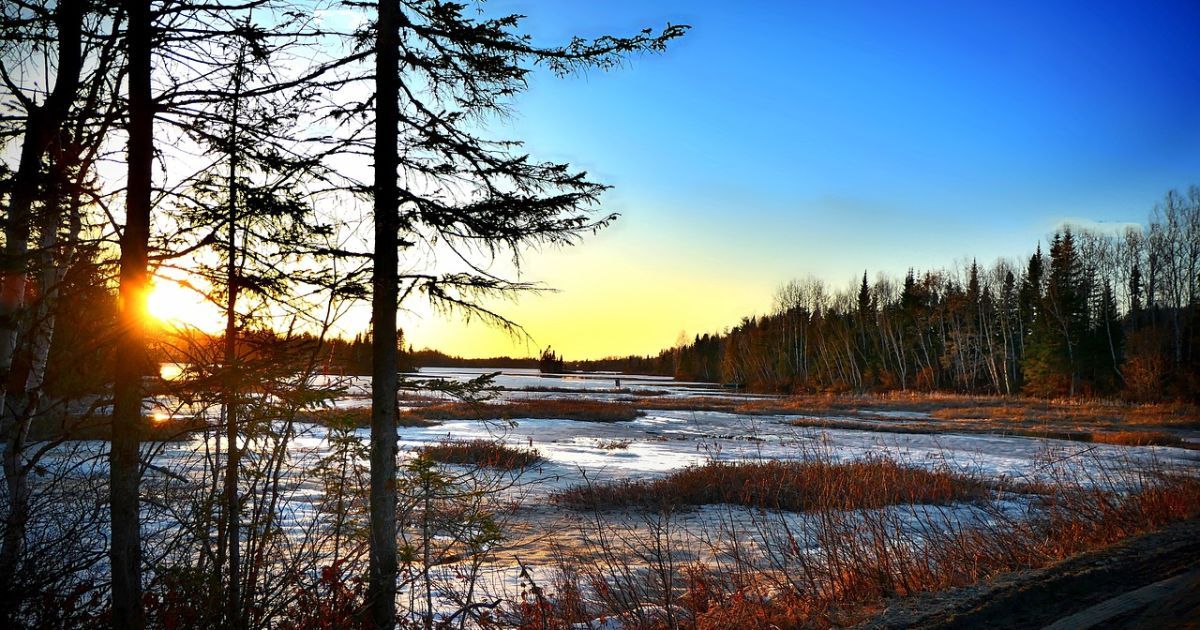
{"points": [[429, 357], [332, 354], [353, 356], [1099, 313]]}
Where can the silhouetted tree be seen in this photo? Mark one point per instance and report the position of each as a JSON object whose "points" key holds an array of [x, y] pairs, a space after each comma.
{"points": [[124, 461], [437, 68]]}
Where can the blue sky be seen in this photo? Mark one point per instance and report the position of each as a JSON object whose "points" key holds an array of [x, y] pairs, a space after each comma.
{"points": [[784, 139]]}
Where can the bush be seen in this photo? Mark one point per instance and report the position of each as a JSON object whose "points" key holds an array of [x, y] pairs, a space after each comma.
{"points": [[549, 408], [786, 485], [481, 453]]}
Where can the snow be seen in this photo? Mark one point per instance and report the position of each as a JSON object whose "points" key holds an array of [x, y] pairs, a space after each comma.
{"points": [[652, 445]]}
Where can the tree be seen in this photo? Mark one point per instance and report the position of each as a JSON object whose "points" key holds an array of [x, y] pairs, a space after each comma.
{"points": [[1135, 294], [437, 69], [864, 297], [1066, 305], [382, 562], [243, 232], [1105, 342], [45, 123], [550, 362], [130, 355], [51, 246]]}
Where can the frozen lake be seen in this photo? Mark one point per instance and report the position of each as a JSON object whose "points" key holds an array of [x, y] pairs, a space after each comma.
{"points": [[573, 452]]}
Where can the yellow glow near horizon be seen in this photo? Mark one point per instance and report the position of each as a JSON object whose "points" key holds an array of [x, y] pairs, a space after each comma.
{"points": [[608, 304], [175, 305]]}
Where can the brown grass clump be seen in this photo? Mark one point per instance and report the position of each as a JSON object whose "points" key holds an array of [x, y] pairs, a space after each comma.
{"points": [[357, 417], [557, 408], [838, 568], [1128, 437], [796, 486], [562, 409], [1141, 438], [997, 409], [587, 390], [868, 562], [481, 453], [1102, 413], [693, 403]]}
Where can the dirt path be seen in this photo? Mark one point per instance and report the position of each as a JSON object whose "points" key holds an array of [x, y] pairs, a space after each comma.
{"points": [[1151, 581], [1158, 605]]}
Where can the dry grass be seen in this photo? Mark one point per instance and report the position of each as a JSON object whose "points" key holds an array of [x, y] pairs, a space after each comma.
{"points": [[840, 567], [816, 404], [357, 417], [695, 403], [561, 409], [1094, 413], [557, 409], [1130, 437], [1099, 413], [587, 390], [785, 485], [1142, 438], [481, 453], [1106, 422]]}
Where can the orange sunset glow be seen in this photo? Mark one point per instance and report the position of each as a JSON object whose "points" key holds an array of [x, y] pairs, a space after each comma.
{"points": [[178, 305]]}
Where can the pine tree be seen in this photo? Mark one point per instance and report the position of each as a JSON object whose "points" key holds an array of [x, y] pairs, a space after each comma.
{"points": [[1029, 298], [439, 68], [1106, 342], [1135, 295], [1052, 363]]}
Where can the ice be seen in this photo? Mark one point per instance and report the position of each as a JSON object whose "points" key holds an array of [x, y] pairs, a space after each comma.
{"points": [[649, 446]]}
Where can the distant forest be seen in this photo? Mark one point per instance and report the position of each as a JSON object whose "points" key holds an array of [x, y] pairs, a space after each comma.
{"points": [[1095, 313], [335, 354], [354, 357], [1100, 313]]}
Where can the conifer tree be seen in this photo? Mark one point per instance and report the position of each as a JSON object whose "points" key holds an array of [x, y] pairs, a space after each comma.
{"points": [[438, 68]]}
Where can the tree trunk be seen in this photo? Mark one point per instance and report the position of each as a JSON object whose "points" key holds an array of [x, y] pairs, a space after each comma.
{"points": [[230, 497], [382, 570], [130, 355]]}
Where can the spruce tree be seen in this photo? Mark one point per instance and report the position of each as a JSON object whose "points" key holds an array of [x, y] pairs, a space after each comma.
{"points": [[440, 68], [1052, 362], [1135, 295]]}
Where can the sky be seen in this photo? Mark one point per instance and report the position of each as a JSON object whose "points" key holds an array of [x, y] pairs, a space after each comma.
{"points": [[779, 140]]}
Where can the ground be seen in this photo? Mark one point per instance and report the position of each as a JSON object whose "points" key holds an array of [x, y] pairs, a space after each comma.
{"points": [[590, 429], [1105, 588]]}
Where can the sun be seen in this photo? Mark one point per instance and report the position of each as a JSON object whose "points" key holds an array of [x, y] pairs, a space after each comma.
{"points": [[181, 305]]}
